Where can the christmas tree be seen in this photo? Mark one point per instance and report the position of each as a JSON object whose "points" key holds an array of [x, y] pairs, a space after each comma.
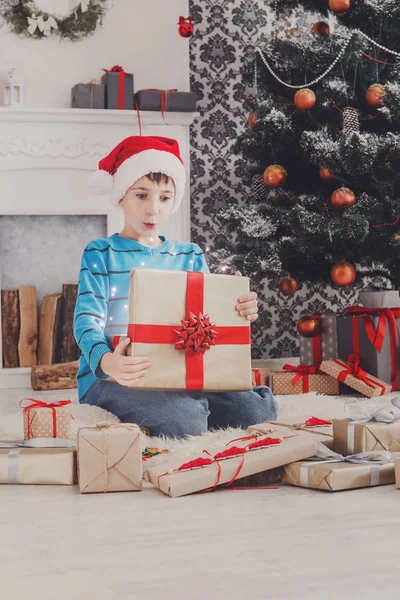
{"points": [[321, 148]]}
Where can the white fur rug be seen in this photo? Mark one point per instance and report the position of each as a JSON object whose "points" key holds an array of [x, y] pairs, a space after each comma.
{"points": [[293, 408]]}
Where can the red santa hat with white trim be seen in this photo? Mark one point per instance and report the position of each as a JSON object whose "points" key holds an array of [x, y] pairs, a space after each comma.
{"points": [[135, 157]]}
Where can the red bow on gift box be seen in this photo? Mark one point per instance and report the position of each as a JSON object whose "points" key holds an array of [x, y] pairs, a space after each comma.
{"points": [[121, 83], [352, 367], [302, 372], [40, 404]]}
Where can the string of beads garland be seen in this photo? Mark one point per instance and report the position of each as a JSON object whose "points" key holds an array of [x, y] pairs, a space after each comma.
{"points": [[25, 18]]}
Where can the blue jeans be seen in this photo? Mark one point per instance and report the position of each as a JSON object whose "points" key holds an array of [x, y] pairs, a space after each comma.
{"points": [[176, 414]]}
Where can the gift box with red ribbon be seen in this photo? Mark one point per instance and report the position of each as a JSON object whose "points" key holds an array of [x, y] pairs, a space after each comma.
{"points": [[374, 335], [322, 346], [354, 376], [46, 419], [88, 95], [119, 88], [259, 375], [165, 100], [301, 379], [239, 458], [188, 325]]}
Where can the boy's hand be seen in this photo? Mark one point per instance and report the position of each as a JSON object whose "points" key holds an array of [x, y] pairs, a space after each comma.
{"points": [[125, 370], [248, 305]]}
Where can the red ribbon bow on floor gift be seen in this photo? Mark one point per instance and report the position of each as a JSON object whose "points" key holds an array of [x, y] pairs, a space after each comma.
{"points": [[302, 372], [40, 404], [352, 367], [121, 83]]}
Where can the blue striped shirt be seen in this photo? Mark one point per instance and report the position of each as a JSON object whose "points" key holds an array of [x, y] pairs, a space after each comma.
{"points": [[101, 309]]}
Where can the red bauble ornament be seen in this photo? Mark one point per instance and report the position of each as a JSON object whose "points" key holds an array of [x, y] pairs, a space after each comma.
{"points": [[305, 99], [321, 28], [308, 326], [339, 7], [252, 119], [275, 176], [343, 273], [288, 286], [185, 28], [375, 95], [326, 174], [343, 198]]}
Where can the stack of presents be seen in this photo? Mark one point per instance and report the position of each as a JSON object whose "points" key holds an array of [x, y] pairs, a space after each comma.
{"points": [[199, 341]]}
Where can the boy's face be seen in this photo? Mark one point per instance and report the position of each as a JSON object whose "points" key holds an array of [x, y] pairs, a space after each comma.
{"points": [[147, 205]]}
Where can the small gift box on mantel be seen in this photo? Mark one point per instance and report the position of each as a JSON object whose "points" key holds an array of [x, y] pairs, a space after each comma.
{"points": [[194, 336], [119, 88], [88, 95], [165, 100], [46, 419]]}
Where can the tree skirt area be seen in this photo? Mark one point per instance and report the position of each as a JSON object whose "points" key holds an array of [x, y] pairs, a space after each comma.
{"points": [[292, 408]]}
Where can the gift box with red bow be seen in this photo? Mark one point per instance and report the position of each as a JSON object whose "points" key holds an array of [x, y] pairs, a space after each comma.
{"points": [[301, 379], [193, 334], [46, 419], [259, 372], [119, 88], [355, 377]]}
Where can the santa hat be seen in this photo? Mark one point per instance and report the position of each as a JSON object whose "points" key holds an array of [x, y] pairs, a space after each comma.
{"points": [[135, 157]]}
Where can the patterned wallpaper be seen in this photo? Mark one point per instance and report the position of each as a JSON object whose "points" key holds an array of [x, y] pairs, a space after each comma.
{"points": [[225, 35]]}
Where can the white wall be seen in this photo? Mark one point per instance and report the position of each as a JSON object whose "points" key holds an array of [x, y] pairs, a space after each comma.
{"points": [[140, 35]]}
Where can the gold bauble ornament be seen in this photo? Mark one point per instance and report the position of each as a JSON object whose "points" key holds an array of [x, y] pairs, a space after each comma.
{"points": [[308, 326], [375, 95], [343, 273], [288, 286], [326, 174], [321, 28], [275, 176], [343, 198], [339, 7], [305, 99]]}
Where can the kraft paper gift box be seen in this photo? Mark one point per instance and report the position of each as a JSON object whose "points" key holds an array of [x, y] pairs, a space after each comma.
{"points": [[259, 376], [397, 471], [187, 350], [350, 374], [322, 346], [338, 472], [324, 433], [302, 379], [177, 479], [110, 458], [166, 100], [88, 95], [372, 334], [38, 462], [380, 299], [118, 89], [353, 437], [46, 419]]}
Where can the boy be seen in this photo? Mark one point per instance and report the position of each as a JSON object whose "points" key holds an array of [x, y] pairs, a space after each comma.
{"points": [[146, 178]]}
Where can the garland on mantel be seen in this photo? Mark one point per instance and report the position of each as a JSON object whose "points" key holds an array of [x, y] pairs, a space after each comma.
{"points": [[25, 18]]}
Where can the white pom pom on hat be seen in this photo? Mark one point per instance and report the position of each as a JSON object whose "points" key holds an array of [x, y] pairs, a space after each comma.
{"points": [[135, 157]]}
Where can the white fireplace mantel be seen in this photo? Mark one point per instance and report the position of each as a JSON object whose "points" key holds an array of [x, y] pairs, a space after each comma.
{"points": [[46, 155]]}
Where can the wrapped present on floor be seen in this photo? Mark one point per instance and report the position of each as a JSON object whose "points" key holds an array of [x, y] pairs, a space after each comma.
{"points": [[352, 375], [378, 430], [194, 336], [118, 88], [239, 458], [88, 95], [315, 425], [109, 458], [46, 419], [322, 346], [372, 333], [397, 471], [165, 100], [259, 373], [302, 379], [380, 299], [38, 462], [333, 472]]}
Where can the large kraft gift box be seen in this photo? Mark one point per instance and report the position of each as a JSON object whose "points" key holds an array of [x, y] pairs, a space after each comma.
{"points": [[336, 476], [322, 346], [109, 458], [30, 464], [313, 425], [351, 437], [372, 334], [352, 375], [207, 472], [193, 334], [302, 379], [46, 419]]}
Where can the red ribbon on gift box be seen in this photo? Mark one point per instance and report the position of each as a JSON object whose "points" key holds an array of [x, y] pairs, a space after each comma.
{"points": [[302, 372], [194, 353], [257, 376], [352, 367], [40, 404], [165, 96], [121, 83], [387, 320]]}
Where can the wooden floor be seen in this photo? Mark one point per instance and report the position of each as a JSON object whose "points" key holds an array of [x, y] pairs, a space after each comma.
{"points": [[287, 543]]}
